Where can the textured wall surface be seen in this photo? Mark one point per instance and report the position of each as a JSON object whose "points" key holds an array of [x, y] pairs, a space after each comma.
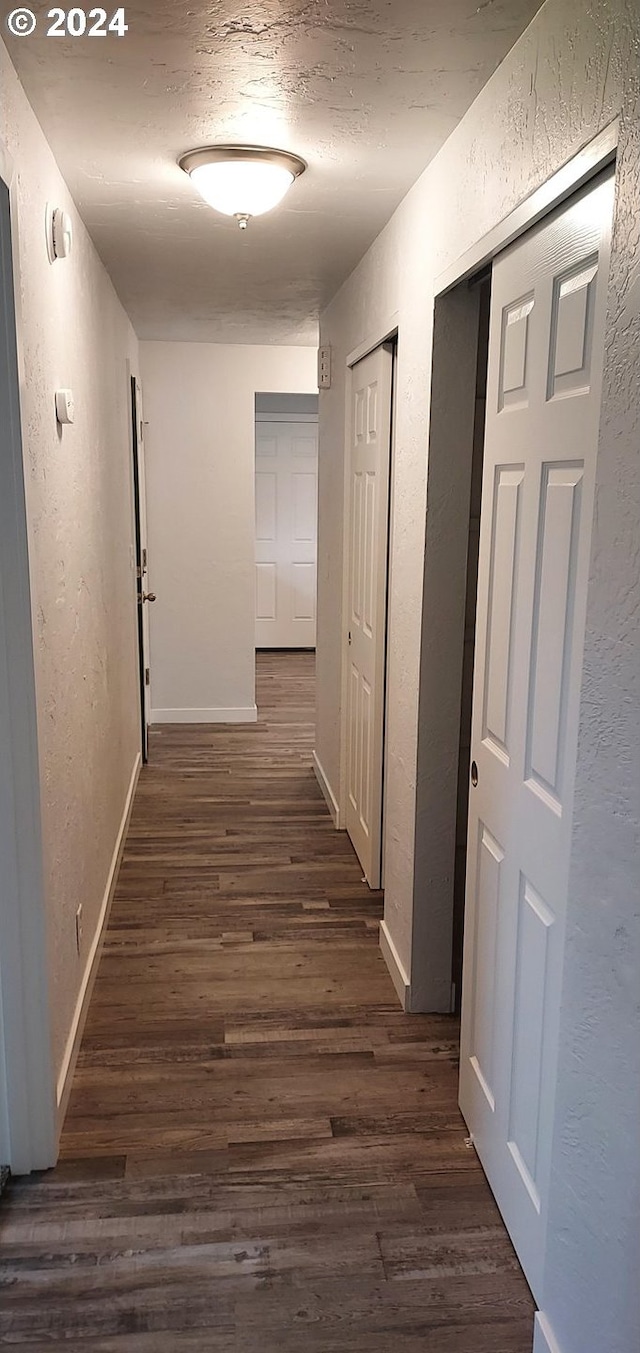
{"points": [[365, 90], [561, 84], [74, 333], [593, 1261], [200, 405], [574, 70]]}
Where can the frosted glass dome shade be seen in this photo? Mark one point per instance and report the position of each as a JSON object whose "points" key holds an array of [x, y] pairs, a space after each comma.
{"points": [[242, 187], [242, 181]]}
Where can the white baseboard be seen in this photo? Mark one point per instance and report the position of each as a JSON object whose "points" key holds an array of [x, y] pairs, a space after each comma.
{"points": [[245, 714], [396, 969], [63, 1088], [544, 1340], [332, 802]]}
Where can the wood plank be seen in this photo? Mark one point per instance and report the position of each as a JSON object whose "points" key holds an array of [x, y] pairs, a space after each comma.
{"points": [[262, 1152]]}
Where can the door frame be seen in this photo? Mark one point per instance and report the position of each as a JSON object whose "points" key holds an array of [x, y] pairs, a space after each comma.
{"points": [[575, 174], [140, 565], [455, 328], [311, 420], [390, 538], [28, 1120], [387, 333]]}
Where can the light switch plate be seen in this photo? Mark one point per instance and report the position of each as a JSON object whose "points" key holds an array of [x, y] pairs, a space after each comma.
{"points": [[324, 368]]}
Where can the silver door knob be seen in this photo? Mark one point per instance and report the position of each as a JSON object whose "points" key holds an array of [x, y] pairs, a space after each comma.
{"points": [[149, 596]]}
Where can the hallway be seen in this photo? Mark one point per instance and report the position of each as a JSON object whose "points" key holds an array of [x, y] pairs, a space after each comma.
{"points": [[261, 1151]]}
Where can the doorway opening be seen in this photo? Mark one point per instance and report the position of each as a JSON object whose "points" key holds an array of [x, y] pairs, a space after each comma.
{"points": [[546, 354], [512, 462], [286, 520], [368, 493]]}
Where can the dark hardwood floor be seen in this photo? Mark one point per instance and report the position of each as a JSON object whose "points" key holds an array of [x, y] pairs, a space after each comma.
{"points": [[262, 1153]]}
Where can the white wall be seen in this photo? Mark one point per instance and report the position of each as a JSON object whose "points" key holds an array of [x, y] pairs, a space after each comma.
{"points": [[574, 70], [200, 462], [74, 333]]}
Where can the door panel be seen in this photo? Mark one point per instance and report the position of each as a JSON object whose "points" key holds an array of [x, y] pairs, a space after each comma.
{"points": [[266, 506], [535, 922], [560, 517], [304, 592], [368, 563], [286, 534], [482, 1014], [502, 590], [304, 507], [543, 404], [266, 591]]}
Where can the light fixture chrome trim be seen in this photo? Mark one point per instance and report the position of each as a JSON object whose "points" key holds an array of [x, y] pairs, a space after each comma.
{"points": [[209, 154]]}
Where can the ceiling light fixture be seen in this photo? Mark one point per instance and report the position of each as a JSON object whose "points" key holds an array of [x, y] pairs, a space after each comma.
{"points": [[242, 181]]}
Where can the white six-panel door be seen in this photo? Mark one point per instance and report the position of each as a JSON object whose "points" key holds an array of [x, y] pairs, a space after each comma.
{"points": [[544, 385], [371, 385], [286, 534]]}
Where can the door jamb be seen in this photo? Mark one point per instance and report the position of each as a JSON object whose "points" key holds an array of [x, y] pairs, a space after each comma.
{"points": [[27, 1076]]}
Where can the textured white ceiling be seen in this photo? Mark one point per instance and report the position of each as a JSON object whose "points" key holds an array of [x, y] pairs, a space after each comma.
{"points": [[365, 90]]}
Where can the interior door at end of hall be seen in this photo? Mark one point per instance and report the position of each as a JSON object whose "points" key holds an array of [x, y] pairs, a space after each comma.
{"points": [[144, 596], [543, 404], [286, 534], [369, 471]]}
